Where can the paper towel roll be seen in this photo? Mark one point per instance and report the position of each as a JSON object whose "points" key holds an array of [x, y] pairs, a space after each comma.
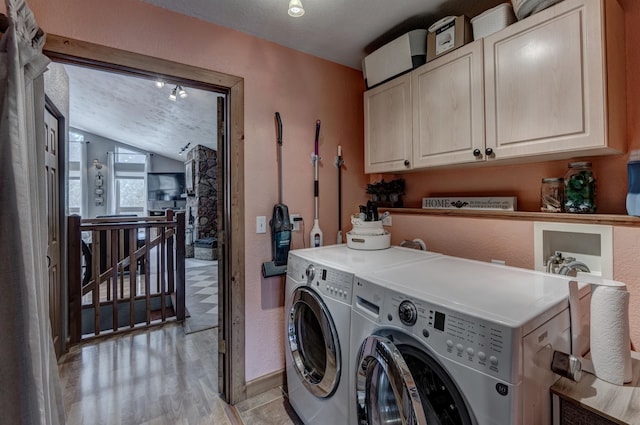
{"points": [[610, 344]]}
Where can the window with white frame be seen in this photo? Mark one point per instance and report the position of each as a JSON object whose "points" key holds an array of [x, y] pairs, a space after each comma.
{"points": [[75, 180], [130, 181]]}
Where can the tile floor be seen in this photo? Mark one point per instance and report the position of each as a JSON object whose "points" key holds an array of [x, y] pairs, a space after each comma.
{"points": [[201, 296]]}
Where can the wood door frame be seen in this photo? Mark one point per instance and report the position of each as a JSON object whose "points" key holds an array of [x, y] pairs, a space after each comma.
{"points": [[67, 50]]}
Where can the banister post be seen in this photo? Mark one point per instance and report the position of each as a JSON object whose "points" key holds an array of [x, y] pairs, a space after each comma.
{"points": [[180, 273], [74, 264]]}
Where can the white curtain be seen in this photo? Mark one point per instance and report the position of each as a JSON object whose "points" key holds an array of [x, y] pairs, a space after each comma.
{"points": [[29, 384]]}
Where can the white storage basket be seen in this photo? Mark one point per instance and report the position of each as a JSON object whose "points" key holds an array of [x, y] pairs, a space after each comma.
{"points": [[361, 227], [368, 242], [492, 20]]}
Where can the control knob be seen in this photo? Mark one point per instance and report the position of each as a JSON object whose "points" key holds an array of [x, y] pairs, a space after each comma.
{"points": [[408, 313], [310, 272]]}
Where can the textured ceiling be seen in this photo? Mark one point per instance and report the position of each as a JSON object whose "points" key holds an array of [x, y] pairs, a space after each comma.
{"points": [[342, 31], [132, 110]]}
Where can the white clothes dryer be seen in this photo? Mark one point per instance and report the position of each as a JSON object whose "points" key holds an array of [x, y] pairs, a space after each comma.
{"points": [[318, 298], [454, 341]]}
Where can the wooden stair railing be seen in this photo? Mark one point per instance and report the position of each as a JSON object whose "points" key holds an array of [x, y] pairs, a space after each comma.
{"points": [[115, 247]]}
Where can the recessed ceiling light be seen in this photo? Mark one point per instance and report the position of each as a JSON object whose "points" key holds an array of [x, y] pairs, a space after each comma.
{"points": [[295, 8]]}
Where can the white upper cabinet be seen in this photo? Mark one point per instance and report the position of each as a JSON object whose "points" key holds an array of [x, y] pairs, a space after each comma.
{"points": [[555, 83], [448, 109], [551, 86], [387, 126]]}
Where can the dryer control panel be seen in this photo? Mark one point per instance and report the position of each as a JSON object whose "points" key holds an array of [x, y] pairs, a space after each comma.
{"points": [[471, 341]]}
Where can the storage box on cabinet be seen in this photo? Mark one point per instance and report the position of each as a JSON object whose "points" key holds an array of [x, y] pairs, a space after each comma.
{"points": [[401, 55]]}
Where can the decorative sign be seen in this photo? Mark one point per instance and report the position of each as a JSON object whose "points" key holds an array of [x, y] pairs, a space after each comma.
{"points": [[501, 203]]}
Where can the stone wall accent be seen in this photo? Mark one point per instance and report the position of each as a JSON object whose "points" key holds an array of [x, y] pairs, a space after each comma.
{"points": [[202, 205]]}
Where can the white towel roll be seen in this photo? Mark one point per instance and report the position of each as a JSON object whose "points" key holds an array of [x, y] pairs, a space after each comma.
{"points": [[610, 344]]}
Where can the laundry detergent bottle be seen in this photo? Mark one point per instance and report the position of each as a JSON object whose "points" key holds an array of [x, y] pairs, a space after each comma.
{"points": [[633, 193]]}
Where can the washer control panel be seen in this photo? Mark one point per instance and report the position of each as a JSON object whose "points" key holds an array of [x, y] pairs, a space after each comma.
{"points": [[472, 341], [329, 282]]}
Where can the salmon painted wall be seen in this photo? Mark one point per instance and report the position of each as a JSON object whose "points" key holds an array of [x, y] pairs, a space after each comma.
{"points": [[484, 239], [301, 87]]}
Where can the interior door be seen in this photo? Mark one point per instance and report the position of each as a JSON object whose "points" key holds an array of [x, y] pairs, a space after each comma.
{"points": [[52, 144]]}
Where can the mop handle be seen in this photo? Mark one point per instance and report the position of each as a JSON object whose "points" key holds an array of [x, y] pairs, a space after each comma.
{"points": [[279, 120], [316, 188], [339, 164], [317, 136]]}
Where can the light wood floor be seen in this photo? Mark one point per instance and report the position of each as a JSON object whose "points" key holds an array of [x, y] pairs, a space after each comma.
{"points": [[158, 376]]}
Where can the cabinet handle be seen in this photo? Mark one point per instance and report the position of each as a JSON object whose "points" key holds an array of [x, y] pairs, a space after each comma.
{"points": [[488, 151], [477, 153], [406, 163]]}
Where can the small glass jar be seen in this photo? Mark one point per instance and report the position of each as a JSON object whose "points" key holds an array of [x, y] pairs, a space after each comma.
{"points": [[580, 188], [552, 195]]}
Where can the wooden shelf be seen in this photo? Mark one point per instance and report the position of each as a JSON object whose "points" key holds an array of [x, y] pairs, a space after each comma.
{"points": [[607, 219]]}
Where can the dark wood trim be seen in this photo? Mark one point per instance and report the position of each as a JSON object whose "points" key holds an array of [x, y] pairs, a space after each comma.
{"points": [[91, 55], [606, 219], [233, 415], [67, 50], [265, 383], [235, 325]]}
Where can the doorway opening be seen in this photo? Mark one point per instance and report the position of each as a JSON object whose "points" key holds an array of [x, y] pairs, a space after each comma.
{"points": [[230, 205]]}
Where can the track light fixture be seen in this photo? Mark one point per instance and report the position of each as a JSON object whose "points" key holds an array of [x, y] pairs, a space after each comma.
{"points": [[177, 91], [184, 148], [295, 8]]}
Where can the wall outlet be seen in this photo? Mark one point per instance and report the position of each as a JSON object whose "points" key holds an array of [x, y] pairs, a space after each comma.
{"points": [[295, 220]]}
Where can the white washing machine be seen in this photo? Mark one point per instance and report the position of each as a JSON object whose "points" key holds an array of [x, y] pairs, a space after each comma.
{"points": [[318, 299], [454, 341]]}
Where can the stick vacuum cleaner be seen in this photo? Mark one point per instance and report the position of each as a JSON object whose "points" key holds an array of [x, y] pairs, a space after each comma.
{"points": [[280, 224], [315, 237]]}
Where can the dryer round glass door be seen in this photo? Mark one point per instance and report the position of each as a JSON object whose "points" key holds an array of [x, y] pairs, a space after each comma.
{"points": [[403, 384], [314, 343]]}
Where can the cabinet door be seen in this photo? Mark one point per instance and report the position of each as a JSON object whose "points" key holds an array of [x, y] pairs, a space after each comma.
{"points": [[387, 126], [448, 109], [545, 82]]}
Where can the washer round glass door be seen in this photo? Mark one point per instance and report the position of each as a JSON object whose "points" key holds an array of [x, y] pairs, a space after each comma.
{"points": [[405, 385], [314, 343]]}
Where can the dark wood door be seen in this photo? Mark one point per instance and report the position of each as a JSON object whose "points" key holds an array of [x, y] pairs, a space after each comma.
{"points": [[52, 143]]}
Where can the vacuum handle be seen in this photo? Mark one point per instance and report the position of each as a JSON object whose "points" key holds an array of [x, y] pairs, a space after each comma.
{"points": [[279, 128]]}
